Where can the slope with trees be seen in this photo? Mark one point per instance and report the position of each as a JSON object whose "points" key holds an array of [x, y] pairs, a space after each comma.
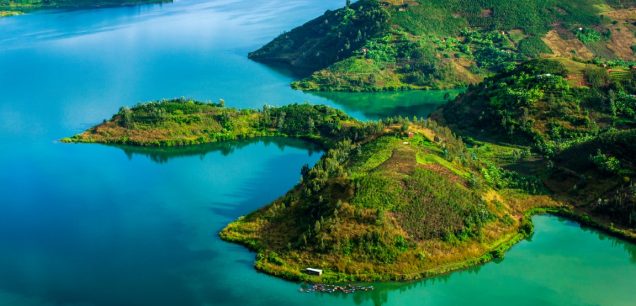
{"points": [[394, 199], [415, 44]]}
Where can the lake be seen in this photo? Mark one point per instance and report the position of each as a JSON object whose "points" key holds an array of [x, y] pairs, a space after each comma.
{"points": [[103, 225]]}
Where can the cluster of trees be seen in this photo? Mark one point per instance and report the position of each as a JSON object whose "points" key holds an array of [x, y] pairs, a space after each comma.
{"points": [[332, 37], [606, 163], [620, 206], [612, 92], [180, 111], [500, 178], [534, 104]]}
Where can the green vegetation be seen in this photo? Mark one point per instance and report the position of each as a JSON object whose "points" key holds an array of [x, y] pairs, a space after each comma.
{"points": [[538, 104], [400, 199], [587, 36], [388, 208], [183, 122], [599, 174], [393, 199], [415, 44], [578, 118], [341, 33], [15, 7]]}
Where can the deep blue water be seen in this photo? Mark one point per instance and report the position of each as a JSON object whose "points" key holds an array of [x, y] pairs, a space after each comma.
{"points": [[100, 225]]}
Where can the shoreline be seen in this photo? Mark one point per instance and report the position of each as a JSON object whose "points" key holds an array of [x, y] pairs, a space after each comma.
{"points": [[495, 253], [182, 123]]}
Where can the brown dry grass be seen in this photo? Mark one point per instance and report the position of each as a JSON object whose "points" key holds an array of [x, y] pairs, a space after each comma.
{"points": [[570, 47], [461, 66], [403, 161], [622, 33]]}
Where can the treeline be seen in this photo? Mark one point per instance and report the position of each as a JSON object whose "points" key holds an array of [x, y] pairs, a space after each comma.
{"points": [[535, 104], [604, 170], [334, 36]]}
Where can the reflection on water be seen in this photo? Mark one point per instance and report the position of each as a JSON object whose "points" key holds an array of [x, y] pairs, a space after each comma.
{"points": [[630, 248], [163, 155], [84, 225], [388, 104]]}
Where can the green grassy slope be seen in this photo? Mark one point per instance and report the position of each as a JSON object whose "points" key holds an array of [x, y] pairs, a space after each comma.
{"points": [[392, 208], [416, 44], [394, 199], [388, 200]]}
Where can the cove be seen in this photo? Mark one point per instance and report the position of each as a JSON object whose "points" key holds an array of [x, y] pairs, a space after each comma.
{"points": [[100, 225]]}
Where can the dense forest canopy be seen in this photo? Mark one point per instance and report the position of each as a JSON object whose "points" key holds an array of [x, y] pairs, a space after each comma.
{"points": [[390, 45]]}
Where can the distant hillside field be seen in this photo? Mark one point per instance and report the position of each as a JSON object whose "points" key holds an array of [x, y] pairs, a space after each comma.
{"points": [[421, 44]]}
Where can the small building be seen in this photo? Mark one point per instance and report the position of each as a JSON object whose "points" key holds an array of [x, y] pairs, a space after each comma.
{"points": [[313, 271]]}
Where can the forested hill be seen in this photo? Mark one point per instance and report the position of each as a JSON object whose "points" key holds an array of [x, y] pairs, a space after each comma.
{"points": [[548, 104], [398, 198], [418, 44], [580, 118]]}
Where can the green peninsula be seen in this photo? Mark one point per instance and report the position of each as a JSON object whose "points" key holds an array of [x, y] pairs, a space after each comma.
{"points": [[407, 198], [372, 45]]}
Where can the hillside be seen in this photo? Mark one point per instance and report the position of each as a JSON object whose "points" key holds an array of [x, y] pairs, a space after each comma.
{"points": [[389, 200], [598, 176], [579, 118], [415, 44], [549, 104], [395, 208]]}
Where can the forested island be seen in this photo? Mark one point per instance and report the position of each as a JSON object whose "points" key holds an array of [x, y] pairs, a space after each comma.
{"points": [[17, 7], [372, 45], [406, 198]]}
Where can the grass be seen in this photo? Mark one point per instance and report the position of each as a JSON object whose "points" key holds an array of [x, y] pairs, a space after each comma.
{"points": [[395, 218], [183, 122], [389, 200], [439, 44], [548, 104]]}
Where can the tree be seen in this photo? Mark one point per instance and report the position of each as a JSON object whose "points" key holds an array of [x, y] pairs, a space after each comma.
{"points": [[305, 171], [126, 117], [281, 121], [310, 125], [606, 163]]}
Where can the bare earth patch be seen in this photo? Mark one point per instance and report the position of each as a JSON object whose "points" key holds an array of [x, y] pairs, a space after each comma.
{"points": [[622, 33], [566, 47]]}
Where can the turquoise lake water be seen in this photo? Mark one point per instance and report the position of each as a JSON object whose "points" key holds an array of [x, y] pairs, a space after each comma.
{"points": [[99, 225]]}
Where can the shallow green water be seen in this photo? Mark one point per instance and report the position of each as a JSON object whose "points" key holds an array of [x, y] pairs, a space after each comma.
{"points": [[100, 225]]}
